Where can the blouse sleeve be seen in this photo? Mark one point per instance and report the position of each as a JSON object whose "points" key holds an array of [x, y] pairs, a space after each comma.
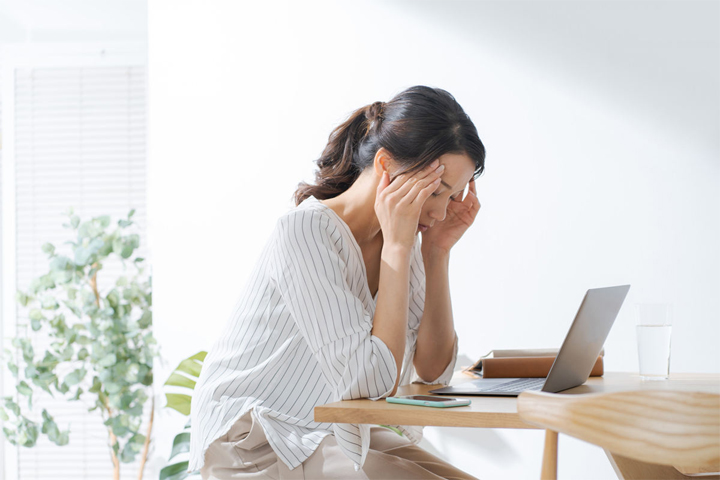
{"points": [[308, 269]]}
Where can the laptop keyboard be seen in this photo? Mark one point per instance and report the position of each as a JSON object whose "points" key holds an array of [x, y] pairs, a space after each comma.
{"points": [[519, 385]]}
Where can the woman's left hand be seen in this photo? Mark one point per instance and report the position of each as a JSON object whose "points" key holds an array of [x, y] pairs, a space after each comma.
{"points": [[460, 215]]}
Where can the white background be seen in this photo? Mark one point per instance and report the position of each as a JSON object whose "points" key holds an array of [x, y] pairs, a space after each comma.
{"points": [[601, 123]]}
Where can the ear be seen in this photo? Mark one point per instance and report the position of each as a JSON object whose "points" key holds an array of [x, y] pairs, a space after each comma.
{"points": [[382, 162]]}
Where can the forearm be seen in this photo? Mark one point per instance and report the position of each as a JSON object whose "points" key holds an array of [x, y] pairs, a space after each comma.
{"points": [[436, 334], [391, 312]]}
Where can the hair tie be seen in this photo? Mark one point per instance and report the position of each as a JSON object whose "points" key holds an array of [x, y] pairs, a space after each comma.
{"points": [[374, 115]]}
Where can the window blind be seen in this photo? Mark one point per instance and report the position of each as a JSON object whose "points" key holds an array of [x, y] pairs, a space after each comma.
{"points": [[80, 141]]}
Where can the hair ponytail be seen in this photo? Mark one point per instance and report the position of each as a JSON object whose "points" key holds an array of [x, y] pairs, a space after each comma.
{"points": [[417, 126], [337, 167]]}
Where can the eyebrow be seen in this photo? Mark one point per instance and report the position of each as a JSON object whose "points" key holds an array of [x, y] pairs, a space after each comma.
{"points": [[448, 186]]}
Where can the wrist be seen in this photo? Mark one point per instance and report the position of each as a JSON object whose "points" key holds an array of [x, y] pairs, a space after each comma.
{"points": [[396, 255], [432, 253]]}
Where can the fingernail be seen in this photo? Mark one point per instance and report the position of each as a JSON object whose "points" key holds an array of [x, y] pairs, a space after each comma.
{"points": [[440, 168], [435, 163]]}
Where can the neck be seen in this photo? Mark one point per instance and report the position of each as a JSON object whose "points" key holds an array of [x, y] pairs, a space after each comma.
{"points": [[356, 206]]}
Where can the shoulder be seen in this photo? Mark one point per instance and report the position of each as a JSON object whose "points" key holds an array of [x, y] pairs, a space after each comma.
{"points": [[309, 222]]}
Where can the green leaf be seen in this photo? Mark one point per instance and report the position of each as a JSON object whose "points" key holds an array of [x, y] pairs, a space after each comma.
{"points": [[48, 248], [199, 356], [67, 353], [12, 406], [180, 381], [190, 367], [35, 324], [393, 429], [22, 298], [78, 393], [75, 221], [96, 386], [146, 319], [113, 298], [60, 263], [75, 377], [104, 221], [44, 380], [132, 212], [49, 303], [3, 415], [63, 438], [24, 388], [176, 471], [82, 256], [179, 402], [113, 387], [36, 314], [107, 360], [181, 444]]}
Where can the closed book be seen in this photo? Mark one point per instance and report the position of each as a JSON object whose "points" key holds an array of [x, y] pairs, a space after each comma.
{"points": [[526, 367], [476, 370]]}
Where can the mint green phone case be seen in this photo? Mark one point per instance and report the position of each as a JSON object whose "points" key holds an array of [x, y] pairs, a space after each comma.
{"points": [[424, 403]]}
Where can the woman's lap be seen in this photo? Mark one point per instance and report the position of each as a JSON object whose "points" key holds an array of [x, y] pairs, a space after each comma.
{"points": [[244, 453]]}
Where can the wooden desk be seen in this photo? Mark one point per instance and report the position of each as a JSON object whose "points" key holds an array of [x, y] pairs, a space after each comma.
{"points": [[492, 412], [501, 412]]}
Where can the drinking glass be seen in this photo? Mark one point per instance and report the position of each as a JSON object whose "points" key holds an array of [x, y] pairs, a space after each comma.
{"points": [[654, 327]]}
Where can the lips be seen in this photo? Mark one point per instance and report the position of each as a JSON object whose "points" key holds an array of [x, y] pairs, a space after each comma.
{"points": [[422, 227]]}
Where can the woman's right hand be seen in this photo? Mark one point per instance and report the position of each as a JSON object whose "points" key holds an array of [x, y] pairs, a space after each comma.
{"points": [[398, 203]]}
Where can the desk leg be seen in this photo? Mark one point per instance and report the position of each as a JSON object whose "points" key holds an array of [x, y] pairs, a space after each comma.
{"points": [[629, 469], [549, 465]]}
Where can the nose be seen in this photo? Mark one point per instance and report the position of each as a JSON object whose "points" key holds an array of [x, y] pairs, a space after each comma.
{"points": [[437, 213]]}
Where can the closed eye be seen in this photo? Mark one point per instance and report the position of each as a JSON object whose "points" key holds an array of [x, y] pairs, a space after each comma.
{"points": [[456, 198]]}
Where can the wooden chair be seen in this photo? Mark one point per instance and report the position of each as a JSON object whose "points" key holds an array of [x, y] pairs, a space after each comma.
{"points": [[650, 434]]}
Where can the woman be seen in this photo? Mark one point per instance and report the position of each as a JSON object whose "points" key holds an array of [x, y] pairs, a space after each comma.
{"points": [[346, 303]]}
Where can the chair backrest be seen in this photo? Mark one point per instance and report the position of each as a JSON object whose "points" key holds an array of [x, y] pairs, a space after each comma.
{"points": [[675, 428]]}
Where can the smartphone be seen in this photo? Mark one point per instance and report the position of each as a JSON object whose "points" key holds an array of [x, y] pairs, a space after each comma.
{"points": [[428, 401]]}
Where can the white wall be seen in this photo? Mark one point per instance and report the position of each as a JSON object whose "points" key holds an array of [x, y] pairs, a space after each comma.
{"points": [[601, 124]]}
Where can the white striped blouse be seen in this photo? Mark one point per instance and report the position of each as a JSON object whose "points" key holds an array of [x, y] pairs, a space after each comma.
{"points": [[300, 337]]}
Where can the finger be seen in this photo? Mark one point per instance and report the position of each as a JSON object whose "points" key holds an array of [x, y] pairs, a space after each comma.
{"points": [[400, 180], [420, 195], [421, 180], [472, 201], [463, 213]]}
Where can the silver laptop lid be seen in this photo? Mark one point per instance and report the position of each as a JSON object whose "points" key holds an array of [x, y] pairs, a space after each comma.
{"points": [[586, 337]]}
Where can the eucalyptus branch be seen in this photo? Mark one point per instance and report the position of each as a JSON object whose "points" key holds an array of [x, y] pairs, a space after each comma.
{"points": [[104, 338]]}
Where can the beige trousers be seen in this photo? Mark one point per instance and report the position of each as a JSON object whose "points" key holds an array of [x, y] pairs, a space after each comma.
{"points": [[244, 453]]}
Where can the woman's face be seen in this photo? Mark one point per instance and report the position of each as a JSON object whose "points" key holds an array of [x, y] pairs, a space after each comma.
{"points": [[459, 169]]}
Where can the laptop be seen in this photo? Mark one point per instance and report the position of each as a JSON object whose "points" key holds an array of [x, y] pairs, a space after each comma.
{"points": [[576, 357]]}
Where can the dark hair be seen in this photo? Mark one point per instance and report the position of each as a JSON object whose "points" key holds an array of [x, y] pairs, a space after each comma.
{"points": [[417, 126]]}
